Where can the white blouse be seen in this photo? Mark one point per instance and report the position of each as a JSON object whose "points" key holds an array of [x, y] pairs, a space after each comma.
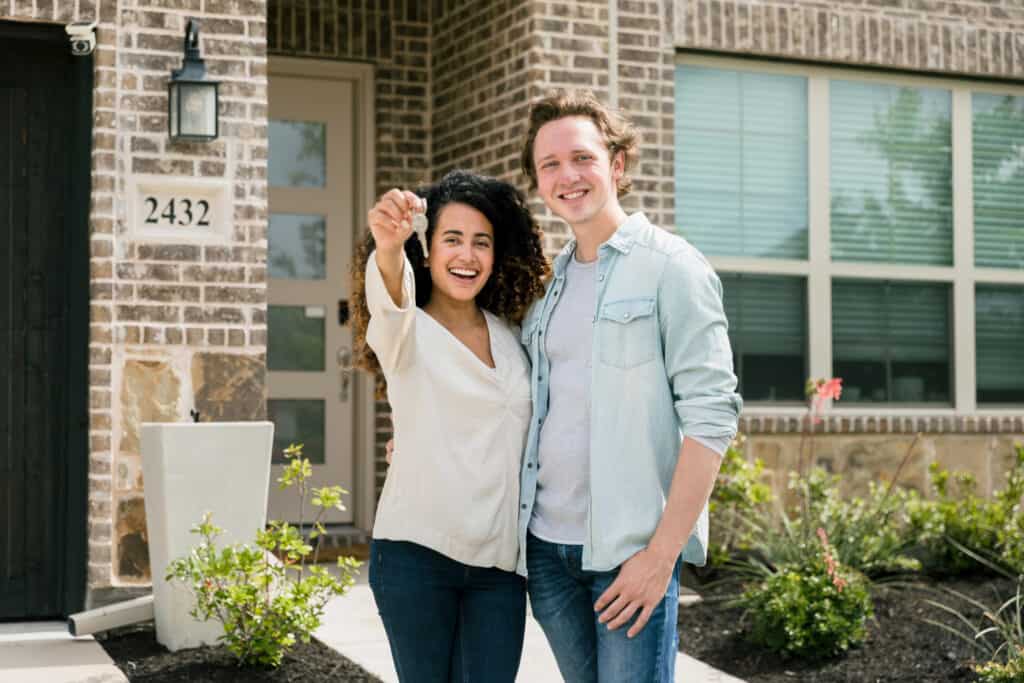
{"points": [[460, 428]]}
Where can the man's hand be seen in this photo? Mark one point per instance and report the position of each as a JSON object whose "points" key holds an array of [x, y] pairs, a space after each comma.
{"points": [[640, 587]]}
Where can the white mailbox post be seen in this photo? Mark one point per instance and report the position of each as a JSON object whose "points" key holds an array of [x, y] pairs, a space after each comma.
{"points": [[190, 469]]}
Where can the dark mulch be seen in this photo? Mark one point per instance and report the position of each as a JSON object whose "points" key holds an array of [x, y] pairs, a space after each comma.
{"points": [[136, 652], [899, 646]]}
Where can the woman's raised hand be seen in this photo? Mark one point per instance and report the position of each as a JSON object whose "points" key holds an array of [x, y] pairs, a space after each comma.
{"points": [[391, 219]]}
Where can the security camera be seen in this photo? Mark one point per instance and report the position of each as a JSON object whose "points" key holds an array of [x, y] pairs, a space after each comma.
{"points": [[82, 37]]}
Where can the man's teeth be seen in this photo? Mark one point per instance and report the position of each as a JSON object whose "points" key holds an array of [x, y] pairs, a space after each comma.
{"points": [[574, 195]]}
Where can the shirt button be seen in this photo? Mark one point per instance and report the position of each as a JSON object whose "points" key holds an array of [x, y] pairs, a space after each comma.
{"points": [[529, 465], [523, 506], [625, 316]]}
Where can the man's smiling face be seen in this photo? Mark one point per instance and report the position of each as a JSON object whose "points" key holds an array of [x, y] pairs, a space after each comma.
{"points": [[576, 178]]}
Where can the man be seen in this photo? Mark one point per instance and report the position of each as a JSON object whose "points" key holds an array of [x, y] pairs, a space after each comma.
{"points": [[633, 401]]}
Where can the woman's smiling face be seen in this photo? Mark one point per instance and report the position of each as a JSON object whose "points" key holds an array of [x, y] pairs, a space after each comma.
{"points": [[461, 252]]}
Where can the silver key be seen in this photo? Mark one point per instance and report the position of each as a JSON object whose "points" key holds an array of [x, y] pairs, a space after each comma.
{"points": [[419, 226]]}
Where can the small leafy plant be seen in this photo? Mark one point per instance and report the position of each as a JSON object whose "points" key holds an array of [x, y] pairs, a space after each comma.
{"points": [[957, 516], [739, 493], [264, 594], [813, 609]]}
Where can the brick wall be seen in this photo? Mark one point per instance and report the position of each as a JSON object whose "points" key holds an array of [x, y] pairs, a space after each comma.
{"points": [[166, 319], [489, 60], [962, 37]]}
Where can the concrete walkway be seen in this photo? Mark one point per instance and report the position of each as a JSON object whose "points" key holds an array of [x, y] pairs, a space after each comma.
{"points": [[352, 627], [44, 652]]}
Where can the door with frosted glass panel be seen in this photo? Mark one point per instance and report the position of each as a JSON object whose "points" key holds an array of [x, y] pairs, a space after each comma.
{"points": [[311, 172]]}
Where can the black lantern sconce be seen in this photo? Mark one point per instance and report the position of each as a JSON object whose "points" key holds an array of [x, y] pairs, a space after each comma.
{"points": [[192, 101]]}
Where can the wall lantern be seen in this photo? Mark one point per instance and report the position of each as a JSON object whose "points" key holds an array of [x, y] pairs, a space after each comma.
{"points": [[192, 101]]}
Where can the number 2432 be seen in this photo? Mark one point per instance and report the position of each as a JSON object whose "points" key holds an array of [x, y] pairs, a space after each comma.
{"points": [[179, 212]]}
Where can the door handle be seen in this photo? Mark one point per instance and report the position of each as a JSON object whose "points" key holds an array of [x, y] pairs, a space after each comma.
{"points": [[344, 358]]}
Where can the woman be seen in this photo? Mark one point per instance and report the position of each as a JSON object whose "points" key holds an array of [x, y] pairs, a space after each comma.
{"points": [[438, 326]]}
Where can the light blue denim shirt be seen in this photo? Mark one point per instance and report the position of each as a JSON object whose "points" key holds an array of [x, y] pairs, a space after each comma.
{"points": [[661, 369]]}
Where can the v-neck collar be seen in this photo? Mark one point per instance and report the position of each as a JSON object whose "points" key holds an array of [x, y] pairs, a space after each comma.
{"points": [[461, 344]]}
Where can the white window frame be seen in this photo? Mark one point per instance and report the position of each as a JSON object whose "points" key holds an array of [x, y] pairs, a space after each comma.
{"points": [[819, 269]]}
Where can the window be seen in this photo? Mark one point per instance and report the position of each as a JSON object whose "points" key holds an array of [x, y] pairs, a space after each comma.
{"points": [[890, 341], [998, 174], [999, 325], [835, 206], [891, 174], [768, 335], [741, 170]]}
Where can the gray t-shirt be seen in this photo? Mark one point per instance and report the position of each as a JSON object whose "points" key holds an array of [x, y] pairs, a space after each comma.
{"points": [[563, 475]]}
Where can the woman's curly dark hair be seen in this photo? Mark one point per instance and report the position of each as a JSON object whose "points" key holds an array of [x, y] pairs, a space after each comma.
{"points": [[520, 267]]}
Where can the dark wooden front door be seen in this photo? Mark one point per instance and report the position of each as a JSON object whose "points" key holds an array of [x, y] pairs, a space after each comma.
{"points": [[42, 336]]}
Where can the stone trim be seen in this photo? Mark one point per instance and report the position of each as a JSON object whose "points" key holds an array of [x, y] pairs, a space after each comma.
{"points": [[885, 424], [952, 38]]}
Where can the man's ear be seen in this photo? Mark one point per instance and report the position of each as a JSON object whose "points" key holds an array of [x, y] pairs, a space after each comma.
{"points": [[618, 165]]}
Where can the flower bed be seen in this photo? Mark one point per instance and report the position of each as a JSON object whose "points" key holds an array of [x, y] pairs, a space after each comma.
{"points": [[899, 645], [136, 652]]}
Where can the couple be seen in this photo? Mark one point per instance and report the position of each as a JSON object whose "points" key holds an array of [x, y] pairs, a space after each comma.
{"points": [[565, 430]]}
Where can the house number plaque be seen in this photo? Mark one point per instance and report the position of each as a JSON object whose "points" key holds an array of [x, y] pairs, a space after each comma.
{"points": [[180, 209]]}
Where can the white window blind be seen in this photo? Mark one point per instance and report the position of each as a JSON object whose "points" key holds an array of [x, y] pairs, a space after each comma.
{"points": [[741, 162], [891, 174]]}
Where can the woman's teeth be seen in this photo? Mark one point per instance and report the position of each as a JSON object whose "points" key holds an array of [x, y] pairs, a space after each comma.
{"points": [[463, 272]]}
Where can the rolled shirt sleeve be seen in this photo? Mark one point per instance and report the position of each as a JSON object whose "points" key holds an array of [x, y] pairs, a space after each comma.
{"points": [[390, 330], [698, 357]]}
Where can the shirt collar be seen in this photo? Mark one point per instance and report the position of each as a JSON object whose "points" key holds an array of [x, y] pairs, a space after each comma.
{"points": [[621, 240]]}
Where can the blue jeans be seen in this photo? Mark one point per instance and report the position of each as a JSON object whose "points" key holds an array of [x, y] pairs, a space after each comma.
{"points": [[562, 597], [447, 621]]}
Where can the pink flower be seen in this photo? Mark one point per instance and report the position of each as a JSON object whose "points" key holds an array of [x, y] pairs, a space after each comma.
{"points": [[830, 389], [823, 536]]}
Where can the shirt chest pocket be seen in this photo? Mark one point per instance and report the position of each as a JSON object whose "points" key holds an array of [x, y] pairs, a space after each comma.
{"points": [[627, 332]]}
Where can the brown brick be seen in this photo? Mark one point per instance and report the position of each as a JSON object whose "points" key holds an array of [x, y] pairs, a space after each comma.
{"points": [[140, 313], [168, 293], [176, 252], [234, 294]]}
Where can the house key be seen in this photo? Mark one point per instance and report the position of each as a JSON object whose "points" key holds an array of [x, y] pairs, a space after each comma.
{"points": [[419, 226]]}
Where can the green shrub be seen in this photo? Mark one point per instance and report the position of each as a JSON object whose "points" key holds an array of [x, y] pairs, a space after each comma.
{"points": [[739, 492], [958, 516], [814, 609], [266, 604], [867, 534]]}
